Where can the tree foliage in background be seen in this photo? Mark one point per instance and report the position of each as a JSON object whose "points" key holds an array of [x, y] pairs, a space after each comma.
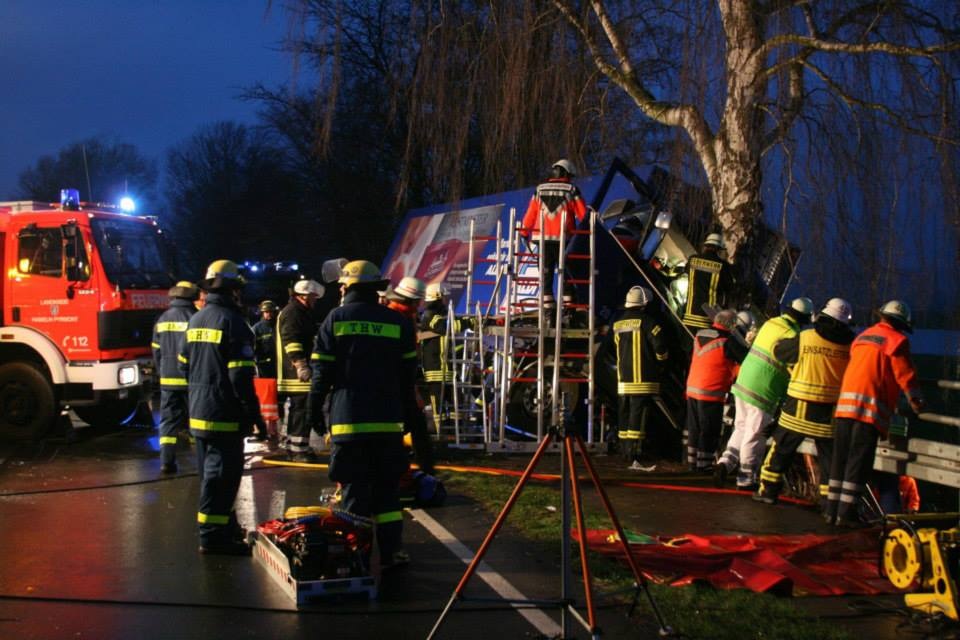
{"points": [[231, 195], [827, 112], [114, 168]]}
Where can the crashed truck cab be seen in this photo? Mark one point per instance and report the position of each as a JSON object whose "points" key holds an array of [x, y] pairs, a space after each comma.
{"points": [[83, 286]]}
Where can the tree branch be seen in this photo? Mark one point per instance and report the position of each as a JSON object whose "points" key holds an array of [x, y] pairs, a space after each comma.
{"points": [[836, 46]]}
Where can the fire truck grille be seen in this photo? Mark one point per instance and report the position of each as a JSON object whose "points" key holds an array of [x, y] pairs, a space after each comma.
{"points": [[126, 328]]}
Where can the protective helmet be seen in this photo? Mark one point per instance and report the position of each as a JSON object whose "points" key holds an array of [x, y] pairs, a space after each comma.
{"points": [[361, 272], [714, 240], [223, 273], [637, 297], [306, 287], [899, 311], [838, 309], [566, 165], [184, 289], [268, 305], [745, 320], [726, 318], [803, 306], [410, 288], [436, 291], [331, 269]]}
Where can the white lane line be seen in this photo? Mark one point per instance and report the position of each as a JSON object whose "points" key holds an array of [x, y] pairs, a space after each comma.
{"points": [[541, 621], [278, 504], [246, 504]]}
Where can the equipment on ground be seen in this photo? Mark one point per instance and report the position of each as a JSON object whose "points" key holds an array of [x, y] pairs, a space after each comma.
{"points": [[923, 560], [83, 286]]}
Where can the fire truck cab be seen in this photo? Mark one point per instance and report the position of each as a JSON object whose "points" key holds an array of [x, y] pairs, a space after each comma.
{"points": [[83, 286]]}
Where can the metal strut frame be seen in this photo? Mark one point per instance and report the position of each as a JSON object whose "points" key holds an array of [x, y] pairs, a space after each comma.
{"points": [[570, 485]]}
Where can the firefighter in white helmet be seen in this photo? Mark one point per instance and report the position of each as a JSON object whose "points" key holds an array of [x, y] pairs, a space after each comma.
{"points": [[365, 358], [760, 387], [554, 199], [641, 354], [880, 369], [709, 283], [818, 357], [296, 328]]}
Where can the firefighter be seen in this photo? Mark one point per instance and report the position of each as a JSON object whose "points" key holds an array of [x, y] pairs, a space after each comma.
{"points": [[264, 354], [435, 349], [217, 360], [818, 357], [365, 358], [405, 299], [641, 353], [265, 350], [556, 196], [713, 368], [709, 282], [296, 329], [880, 368], [168, 333], [757, 391]]}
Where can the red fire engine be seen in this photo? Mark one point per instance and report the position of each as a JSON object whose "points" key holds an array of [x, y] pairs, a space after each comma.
{"points": [[83, 286]]}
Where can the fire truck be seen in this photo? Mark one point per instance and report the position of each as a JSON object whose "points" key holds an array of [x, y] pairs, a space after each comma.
{"points": [[83, 286]]}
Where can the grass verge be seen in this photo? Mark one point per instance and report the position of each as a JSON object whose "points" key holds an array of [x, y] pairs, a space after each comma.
{"points": [[693, 612]]}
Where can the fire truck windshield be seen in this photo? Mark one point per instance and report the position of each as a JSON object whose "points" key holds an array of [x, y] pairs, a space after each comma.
{"points": [[132, 254]]}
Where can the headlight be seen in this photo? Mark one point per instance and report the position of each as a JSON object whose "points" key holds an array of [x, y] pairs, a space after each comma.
{"points": [[127, 374]]}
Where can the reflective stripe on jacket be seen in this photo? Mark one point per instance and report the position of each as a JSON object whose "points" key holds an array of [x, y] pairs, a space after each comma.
{"points": [[762, 381], [819, 370], [217, 361], [703, 287], [365, 355], [554, 196], [640, 351], [712, 372], [168, 333], [880, 367], [295, 333]]}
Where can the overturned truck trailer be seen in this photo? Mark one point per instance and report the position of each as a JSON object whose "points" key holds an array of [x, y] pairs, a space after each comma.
{"points": [[646, 230]]}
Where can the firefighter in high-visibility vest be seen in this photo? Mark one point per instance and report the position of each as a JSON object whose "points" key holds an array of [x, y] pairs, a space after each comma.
{"points": [[296, 329], [217, 361], [435, 349], [709, 282], [265, 356], [758, 390], [641, 352], [365, 357], [880, 368], [554, 198], [713, 367], [168, 333], [818, 356], [405, 299]]}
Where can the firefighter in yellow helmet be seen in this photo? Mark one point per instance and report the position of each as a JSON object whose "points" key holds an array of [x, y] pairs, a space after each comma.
{"points": [[168, 334], [217, 362], [365, 358]]}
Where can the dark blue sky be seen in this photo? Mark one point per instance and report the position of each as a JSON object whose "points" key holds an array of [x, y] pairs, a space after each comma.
{"points": [[147, 72]]}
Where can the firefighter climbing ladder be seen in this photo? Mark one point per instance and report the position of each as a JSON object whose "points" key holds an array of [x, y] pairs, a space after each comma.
{"points": [[523, 355]]}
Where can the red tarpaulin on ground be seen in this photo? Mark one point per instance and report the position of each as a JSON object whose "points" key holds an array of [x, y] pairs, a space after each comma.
{"points": [[785, 564]]}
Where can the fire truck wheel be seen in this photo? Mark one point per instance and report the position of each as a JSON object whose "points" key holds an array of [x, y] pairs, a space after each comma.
{"points": [[109, 414], [28, 405], [522, 409]]}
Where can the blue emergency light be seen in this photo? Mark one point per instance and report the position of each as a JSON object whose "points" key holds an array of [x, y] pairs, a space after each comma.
{"points": [[70, 199], [127, 204]]}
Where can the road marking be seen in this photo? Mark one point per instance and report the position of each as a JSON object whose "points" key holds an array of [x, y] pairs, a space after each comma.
{"points": [[246, 504], [541, 621]]}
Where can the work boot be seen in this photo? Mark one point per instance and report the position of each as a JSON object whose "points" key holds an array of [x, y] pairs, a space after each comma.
{"points": [[306, 457], [720, 475], [766, 497], [168, 467]]}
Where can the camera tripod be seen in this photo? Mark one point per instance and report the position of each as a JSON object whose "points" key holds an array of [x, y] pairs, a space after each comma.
{"points": [[569, 488]]}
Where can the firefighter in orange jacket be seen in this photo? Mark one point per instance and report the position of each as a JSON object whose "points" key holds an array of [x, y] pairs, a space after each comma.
{"points": [[880, 368], [716, 359], [641, 352], [556, 196], [818, 357]]}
